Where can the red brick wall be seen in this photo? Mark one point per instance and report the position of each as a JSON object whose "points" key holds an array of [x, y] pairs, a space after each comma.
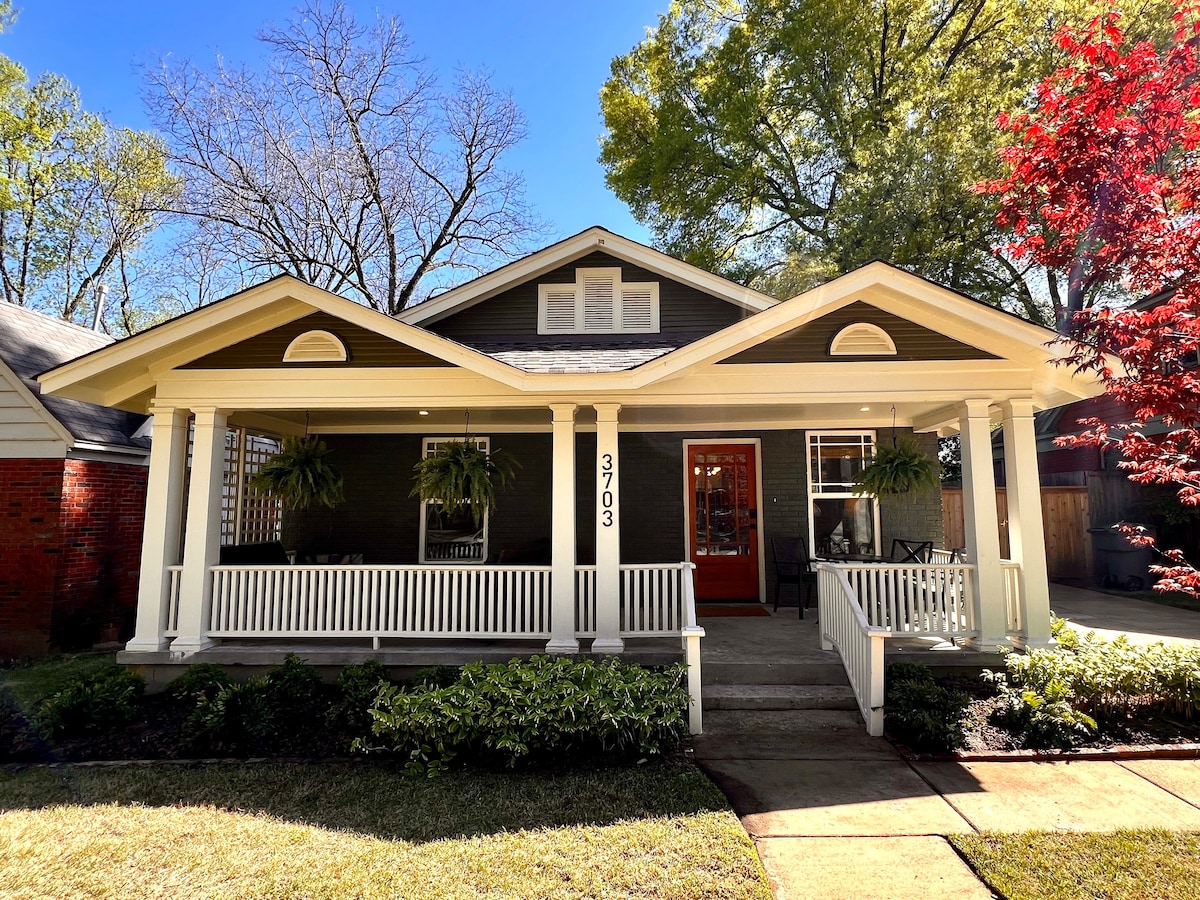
{"points": [[30, 549], [70, 546], [101, 538]]}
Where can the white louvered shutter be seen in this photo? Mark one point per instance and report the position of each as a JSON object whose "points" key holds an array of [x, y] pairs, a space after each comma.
{"points": [[558, 306], [599, 300], [638, 307]]}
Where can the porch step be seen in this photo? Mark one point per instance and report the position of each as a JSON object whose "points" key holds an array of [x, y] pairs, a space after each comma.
{"points": [[778, 696], [787, 734], [729, 673]]}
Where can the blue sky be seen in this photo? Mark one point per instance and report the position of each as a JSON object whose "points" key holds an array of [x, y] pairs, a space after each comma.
{"points": [[552, 56]]}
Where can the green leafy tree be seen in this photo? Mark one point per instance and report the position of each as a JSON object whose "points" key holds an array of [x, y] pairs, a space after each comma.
{"points": [[785, 141], [78, 197]]}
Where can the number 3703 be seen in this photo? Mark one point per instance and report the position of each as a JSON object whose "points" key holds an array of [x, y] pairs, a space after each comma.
{"points": [[607, 471]]}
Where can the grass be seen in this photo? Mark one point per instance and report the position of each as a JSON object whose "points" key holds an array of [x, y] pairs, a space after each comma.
{"points": [[31, 682], [1125, 865], [362, 830]]}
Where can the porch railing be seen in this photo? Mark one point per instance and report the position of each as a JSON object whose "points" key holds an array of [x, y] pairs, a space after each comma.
{"points": [[381, 601], [844, 627], [1014, 602], [652, 600], [914, 599], [174, 576]]}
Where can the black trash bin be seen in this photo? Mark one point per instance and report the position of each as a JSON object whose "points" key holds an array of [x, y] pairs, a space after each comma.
{"points": [[1119, 564]]}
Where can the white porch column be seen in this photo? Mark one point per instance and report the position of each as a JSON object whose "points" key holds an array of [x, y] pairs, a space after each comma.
{"points": [[608, 532], [982, 525], [562, 532], [1026, 537], [202, 534], [160, 533]]}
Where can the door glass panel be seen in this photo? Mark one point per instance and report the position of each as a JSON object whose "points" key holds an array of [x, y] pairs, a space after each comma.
{"points": [[844, 525], [724, 504]]}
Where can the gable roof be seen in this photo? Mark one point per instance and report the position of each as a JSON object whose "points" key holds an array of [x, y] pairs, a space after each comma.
{"points": [[30, 343], [549, 258]]}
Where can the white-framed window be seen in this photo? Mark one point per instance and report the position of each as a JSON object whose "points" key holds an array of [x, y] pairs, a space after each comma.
{"points": [[839, 521], [452, 539], [598, 303]]}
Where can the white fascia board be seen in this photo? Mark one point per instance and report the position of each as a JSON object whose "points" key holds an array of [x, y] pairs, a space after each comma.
{"points": [[895, 291], [35, 403], [559, 254], [133, 366]]}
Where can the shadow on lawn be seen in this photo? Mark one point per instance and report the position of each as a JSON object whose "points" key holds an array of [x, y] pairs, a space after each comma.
{"points": [[377, 799]]}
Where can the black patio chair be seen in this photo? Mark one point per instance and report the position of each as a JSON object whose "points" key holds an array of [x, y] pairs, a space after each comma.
{"points": [[793, 566], [904, 551]]}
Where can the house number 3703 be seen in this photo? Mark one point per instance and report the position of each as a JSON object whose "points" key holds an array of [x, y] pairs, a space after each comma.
{"points": [[606, 495]]}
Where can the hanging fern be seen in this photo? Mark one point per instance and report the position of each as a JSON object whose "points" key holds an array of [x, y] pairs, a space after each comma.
{"points": [[460, 475], [299, 475], [898, 470]]}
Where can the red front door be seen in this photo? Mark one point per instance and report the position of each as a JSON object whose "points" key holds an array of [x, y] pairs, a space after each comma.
{"points": [[723, 517]]}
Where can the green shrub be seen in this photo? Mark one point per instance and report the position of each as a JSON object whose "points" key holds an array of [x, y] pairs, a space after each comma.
{"points": [[237, 721], [1042, 719], [200, 680], [350, 715], [537, 709], [435, 677], [93, 704], [284, 712], [921, 713]]}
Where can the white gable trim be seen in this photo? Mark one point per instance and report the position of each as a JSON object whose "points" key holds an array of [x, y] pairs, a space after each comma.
{"points": [[572, 248]]}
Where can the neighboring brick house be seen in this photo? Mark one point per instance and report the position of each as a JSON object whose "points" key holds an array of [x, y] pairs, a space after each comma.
{"points": [[72, 494]]}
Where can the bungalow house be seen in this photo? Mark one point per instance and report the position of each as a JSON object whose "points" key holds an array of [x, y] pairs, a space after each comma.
{"points": [[73, 489], [668, 424]]}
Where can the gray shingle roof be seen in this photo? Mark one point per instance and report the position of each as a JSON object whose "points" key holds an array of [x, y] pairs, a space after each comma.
{"points": [[31, 343], [573, 357]]}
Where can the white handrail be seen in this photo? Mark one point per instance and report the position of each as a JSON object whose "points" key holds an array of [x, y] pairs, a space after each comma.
{"points": [[651, 601], [1014, 601], [692, 633], [921, 599], [844, 627], [175, 577]]}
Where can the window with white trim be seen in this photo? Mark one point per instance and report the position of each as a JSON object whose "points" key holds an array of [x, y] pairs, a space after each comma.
{"points": [[839, 521], [599, 302], [451, 538]]}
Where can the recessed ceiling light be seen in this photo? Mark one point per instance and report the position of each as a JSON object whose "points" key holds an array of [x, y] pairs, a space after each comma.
{"points": [[864, 409], [422, 412]]}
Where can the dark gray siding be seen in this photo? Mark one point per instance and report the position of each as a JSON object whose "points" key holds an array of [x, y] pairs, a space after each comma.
{"points": [[382, 522], [366, 348], [683, 310], [810, 343]]}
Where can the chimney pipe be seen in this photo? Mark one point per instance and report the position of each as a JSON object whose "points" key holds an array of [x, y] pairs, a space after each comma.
{"points": [[101, 296]]}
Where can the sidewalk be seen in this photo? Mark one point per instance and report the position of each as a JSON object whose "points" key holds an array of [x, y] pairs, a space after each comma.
{"points": [[851, 819]]}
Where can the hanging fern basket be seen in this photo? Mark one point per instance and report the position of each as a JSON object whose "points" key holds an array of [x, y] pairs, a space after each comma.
{"points": [[899, 469], [300, 476], [461, 476]]}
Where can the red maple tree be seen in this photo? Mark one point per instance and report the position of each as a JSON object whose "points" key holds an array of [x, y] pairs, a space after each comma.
{"points": [[1104, 184]]}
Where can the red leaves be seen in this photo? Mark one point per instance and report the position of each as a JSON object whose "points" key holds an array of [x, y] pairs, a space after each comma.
{"points": [[1104, 182]]}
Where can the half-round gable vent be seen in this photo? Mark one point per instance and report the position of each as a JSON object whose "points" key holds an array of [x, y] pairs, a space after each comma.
{"points": [[316, 346], [862, 339]]}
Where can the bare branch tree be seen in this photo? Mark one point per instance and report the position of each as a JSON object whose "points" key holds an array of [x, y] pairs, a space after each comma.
{"points": [[343, 163]]}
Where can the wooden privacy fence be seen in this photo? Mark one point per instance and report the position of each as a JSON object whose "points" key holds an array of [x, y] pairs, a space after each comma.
{"points": [[1065, 521]]}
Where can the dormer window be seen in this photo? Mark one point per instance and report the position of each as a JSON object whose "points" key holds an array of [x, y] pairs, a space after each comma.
{"points": [[598, 303], [862, 339], [316, 346]]}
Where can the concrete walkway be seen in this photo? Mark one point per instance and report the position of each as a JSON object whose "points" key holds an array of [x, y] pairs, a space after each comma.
{"points": [[837, 814]]}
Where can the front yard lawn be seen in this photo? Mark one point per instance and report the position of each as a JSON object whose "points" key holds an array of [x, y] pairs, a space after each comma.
{"points": [[1125, 865], [346, 829]]}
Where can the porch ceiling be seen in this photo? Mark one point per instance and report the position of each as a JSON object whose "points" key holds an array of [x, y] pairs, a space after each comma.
{"points": [[721, 418]]}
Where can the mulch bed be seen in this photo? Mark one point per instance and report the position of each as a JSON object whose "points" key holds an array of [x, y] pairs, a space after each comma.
{"points": [[1149, 733]]}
